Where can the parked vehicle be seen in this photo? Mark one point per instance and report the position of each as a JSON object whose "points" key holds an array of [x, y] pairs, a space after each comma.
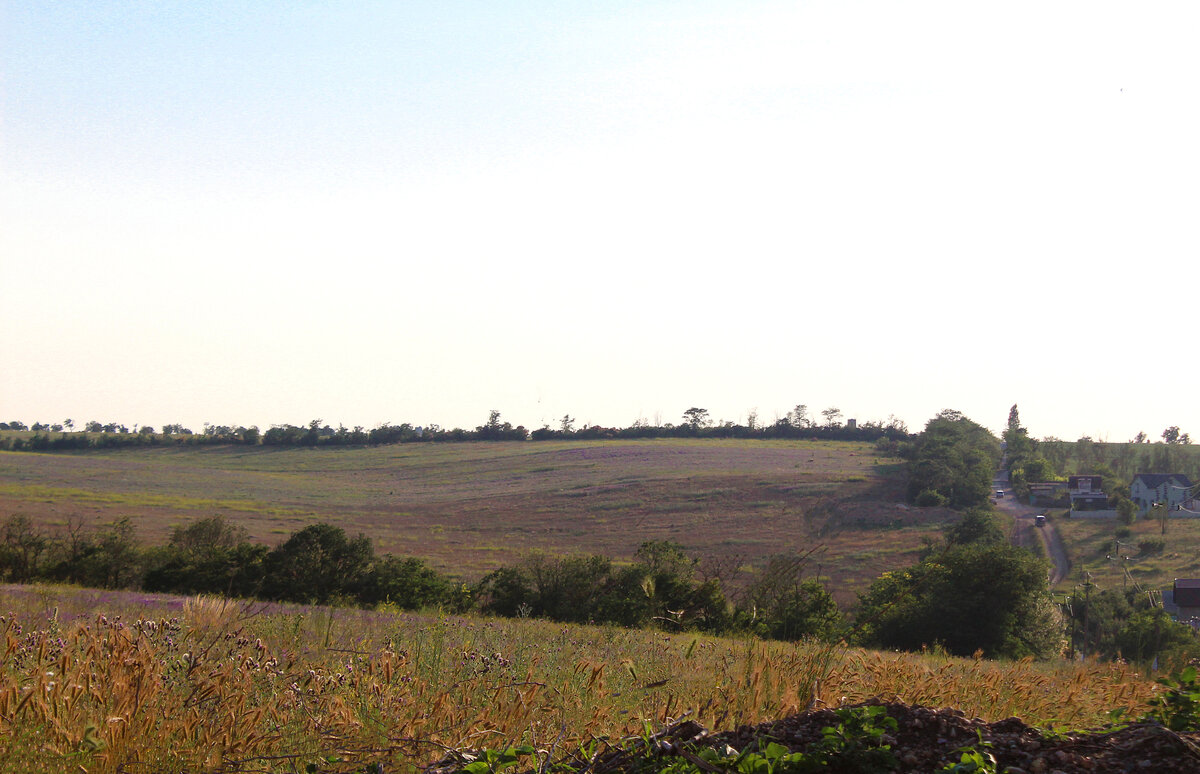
{"points": [[1039, 520]]}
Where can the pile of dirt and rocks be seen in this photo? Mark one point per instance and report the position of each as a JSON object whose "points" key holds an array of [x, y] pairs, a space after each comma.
{"points": [[927, 739]]}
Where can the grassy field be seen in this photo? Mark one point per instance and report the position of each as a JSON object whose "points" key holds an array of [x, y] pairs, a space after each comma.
{"points": [[1092, 548], [104, 681], [471, 507]]}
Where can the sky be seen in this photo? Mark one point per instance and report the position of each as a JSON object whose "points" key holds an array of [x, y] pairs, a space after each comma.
{"points": [[272, 212]]}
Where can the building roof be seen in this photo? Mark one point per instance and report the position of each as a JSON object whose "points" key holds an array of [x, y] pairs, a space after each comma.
{"points": [[1155, 480], [1187, 583]]}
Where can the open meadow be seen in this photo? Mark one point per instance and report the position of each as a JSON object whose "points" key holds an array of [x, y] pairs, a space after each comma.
{"points": [[468, 508], [105, 681], [1114, 554]]}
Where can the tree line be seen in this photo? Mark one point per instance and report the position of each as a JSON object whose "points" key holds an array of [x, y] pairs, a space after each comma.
{"points": [[42, 437], [321, 564], [971, 591]]}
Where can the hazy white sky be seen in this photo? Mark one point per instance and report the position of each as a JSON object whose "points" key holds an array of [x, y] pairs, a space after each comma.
{"points": [[267, 212]]}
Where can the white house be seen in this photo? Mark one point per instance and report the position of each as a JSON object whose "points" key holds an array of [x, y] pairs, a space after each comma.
{"points": [[1174, 489]]}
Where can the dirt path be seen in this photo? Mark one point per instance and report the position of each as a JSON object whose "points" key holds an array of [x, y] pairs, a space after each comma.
{"points": [[1026, 532]]}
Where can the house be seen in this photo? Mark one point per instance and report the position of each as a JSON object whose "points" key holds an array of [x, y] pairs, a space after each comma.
{"points": [[1184, 601], [1088, 497], [1084, 484], [1173, 489], [1047, 493]]}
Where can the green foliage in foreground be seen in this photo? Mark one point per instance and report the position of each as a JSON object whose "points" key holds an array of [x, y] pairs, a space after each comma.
{"points": [[1179, 707], [853, 745]]}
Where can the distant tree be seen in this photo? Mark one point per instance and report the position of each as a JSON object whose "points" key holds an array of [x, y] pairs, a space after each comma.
{"points": [[833, 416], [752, 420], [69, 424], [407, 583], [978, 525], [318, 564], [696, 418], [1140, 437], [495, 430], [1014, 418], [112, 559], [566, 424], [1039, 469], [211, 556], [799, 416], [207, 537], [22, 549], [1171, 434], [953, 458]]}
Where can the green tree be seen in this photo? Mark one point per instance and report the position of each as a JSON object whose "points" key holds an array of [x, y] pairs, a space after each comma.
{"points": [[978, 525], [696, 418], [22, 549], [955, 458], [318, 564], [209, 556], [113, 559], [990, 597], [782, 604], [1150, 632], [406, 582]]}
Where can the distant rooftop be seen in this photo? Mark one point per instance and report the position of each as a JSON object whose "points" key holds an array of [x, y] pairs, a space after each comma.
{"points": [[1154, 480]]}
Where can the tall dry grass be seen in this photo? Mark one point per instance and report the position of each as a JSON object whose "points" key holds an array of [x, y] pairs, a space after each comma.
{"points": [[225, 687]]}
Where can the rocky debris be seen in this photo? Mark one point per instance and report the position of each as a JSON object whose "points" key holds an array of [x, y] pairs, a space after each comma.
{"points": [[924, 741]]}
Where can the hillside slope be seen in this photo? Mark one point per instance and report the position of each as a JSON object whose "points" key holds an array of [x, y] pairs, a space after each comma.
{"points": [[470, 507]]}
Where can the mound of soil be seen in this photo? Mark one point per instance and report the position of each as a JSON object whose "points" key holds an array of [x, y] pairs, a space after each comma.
{"points": [[926, 739]]}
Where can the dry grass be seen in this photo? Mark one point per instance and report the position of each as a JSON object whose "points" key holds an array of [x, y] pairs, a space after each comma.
{"points": [[1089, 544], [202, 686]]}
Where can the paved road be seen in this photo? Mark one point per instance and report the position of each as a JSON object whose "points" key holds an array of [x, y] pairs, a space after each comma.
{"points": [[1025, 532]]}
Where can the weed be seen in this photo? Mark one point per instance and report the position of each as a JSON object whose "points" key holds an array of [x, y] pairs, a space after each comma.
{"points": [[496, 761], [1178, 708], [972, 759], [856, 742]]}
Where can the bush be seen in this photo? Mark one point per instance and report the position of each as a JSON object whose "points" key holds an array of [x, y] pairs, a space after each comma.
{"points": [[929, 498], [1151, 546]]}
